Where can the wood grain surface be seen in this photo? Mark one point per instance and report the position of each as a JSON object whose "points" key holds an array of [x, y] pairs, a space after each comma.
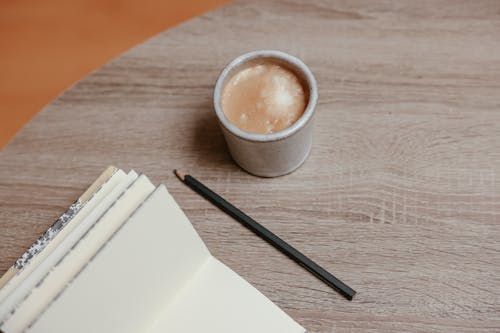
{"points": [[400, 196]]}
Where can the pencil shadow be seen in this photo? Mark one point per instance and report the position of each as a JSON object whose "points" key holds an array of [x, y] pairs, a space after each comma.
{"points": [[208, 142]]}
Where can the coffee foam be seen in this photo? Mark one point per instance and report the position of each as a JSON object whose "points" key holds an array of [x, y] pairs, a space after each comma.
{"points": [[264, 98]]}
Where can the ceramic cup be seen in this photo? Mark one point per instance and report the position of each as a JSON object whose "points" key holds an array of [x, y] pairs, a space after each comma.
{"points": [[275, 154]]}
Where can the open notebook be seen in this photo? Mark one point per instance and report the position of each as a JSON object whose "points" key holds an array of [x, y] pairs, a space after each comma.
{"points": [[129, 260]]}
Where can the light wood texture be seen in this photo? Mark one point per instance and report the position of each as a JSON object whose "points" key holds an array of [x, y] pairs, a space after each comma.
{"points": [[400, 196]]}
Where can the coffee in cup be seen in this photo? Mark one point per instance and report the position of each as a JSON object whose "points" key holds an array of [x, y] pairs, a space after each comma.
{"points": [[265, 102], [264, 98]]}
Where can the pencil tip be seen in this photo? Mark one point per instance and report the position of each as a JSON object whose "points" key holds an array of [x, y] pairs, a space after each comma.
{"points": [[179, 174]]}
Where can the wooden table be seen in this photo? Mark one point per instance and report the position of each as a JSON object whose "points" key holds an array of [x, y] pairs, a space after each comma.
{"points": [[399, 198]]}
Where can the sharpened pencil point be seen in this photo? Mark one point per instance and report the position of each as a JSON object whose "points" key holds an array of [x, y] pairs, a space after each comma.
{"points": [[179, 174]]}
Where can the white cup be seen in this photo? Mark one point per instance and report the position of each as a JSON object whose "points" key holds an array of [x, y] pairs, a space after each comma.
{"points": [[275, 154]]}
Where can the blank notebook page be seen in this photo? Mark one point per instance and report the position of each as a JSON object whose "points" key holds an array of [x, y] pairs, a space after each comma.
{"points": [[156, 275], [79, 255], [219, 300], [133, 276]]}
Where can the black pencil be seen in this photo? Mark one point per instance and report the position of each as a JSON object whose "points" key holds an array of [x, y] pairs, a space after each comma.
{"points": [[267, 235]]}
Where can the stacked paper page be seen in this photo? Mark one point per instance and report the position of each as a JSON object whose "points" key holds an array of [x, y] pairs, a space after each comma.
{"points": [[130, 261]]}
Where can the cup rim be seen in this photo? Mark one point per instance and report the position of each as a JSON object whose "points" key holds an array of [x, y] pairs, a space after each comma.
{"points": [[296, 126]]}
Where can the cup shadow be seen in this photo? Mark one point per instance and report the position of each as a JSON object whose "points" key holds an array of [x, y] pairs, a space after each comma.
{"points": [[208, 142]]}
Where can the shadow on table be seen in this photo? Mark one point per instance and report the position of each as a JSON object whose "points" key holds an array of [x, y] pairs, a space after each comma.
{"points": [[208, 142]]}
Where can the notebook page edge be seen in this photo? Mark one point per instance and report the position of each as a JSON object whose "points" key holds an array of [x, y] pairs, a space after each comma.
{"points": [[40, 297], [45, 259], [161, 193]]}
